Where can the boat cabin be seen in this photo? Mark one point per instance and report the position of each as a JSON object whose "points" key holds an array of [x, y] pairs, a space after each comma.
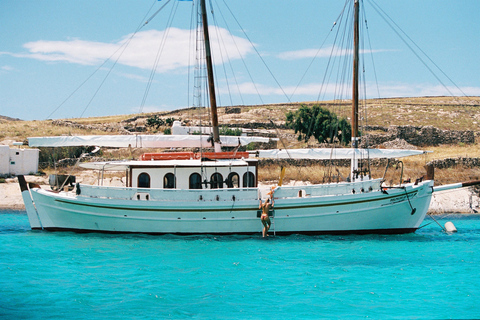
{"points": [[185, 174], [193, 174]]}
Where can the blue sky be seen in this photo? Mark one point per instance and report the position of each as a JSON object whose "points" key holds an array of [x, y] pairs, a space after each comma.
{"points": [[49, 48]]}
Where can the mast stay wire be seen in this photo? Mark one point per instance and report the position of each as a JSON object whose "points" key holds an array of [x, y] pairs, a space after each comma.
{"points": [[161, 47], [190, 53], [258, 53], [243, 60], [335, 51], [228, 57], [229, 61], [363, 83], [124, 46], [220, 51], [219, 38], [241, 56], [318, 51], [391, 23]]}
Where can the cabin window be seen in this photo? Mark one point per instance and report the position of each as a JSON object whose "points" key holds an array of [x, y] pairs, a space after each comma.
{"points": [[216, 181], [248, 180], [143, 180], [195, 181], [233, 180], [169, 181]]}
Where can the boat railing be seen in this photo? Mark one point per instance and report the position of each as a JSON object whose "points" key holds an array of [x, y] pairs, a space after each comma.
{"points": [[178, 195], [328, 189]]}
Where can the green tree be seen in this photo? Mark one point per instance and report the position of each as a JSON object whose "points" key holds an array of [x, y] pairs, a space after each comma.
{"points": [[320, 123]]}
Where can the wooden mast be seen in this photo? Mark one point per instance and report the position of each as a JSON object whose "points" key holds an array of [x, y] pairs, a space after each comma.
{"points": [[211, 82], [354, 166], [356, 33]]}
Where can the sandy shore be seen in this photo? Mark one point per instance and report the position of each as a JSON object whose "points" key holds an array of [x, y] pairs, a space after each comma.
{"points": [[459, 200]]}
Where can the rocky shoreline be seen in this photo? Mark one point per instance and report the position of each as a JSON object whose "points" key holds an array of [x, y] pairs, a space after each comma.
{"points": [[463, 200]]}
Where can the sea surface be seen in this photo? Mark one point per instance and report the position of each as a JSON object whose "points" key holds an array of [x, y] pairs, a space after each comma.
{"points": [[63, 275]]}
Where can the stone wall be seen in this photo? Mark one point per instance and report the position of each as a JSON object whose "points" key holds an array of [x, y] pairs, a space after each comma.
{"points": [[418, 136], [325, 163], [454, 162], [107, 127]]}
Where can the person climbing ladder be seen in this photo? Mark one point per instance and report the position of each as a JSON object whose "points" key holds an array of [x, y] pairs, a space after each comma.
{"points": [[264, 217]]}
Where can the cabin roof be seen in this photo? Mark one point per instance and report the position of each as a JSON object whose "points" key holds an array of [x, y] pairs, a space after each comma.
{"points": [[123, 165]]}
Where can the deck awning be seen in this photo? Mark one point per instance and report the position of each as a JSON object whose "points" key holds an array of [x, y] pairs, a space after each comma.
{"points": [[141, 141], [337, 153]]}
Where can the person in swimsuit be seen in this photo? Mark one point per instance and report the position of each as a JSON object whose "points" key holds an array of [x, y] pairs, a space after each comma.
{"points": [[264, 217]]}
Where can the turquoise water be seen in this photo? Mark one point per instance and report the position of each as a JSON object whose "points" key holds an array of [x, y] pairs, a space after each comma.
{"points": [[63, 275]]}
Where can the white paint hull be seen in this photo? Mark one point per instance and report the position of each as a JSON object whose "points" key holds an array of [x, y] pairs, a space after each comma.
{"points": [[233, 211]]}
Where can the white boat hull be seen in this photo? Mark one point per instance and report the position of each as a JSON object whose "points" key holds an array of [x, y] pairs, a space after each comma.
{"points": [[232, 211]]}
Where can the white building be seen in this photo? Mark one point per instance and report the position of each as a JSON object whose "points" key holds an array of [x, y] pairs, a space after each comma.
{"points": [[18, 161]]}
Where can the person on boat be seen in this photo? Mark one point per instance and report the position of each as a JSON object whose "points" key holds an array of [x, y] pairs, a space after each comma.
{"points": [[264, 217]]}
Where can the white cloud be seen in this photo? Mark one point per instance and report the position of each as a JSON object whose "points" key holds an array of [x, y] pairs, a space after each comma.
{"points": [[141, 51], [311, 91], [422, 90], [305, 53], [321, 53], [134, 77], [7, 68], [151, 108]]}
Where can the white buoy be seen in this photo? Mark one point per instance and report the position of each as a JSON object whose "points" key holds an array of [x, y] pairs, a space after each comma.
{"points": [[449, 227]]}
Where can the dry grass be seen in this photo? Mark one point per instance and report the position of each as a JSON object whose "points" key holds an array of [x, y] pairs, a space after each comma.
{"points": [[445, 113], [455, 151], [20, 130], [441, 112], [319, 174]]}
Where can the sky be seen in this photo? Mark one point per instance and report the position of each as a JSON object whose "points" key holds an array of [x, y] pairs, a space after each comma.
{"points": [[54, 54]]}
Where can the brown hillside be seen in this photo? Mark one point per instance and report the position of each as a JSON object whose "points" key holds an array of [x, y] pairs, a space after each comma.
{"points": [[441, 112]]}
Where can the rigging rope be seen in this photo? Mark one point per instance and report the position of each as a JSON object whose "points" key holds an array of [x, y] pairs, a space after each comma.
{"points": [[159, 52], [317, 53], [124, 46], [258, 53], [229, 60], [391, 23]]}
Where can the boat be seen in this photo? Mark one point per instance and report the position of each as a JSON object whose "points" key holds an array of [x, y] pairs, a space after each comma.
{"points": [[217, 192]]}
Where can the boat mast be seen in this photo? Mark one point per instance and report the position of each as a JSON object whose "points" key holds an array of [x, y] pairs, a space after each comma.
{"points": [[211, 82], [355, 77], [356, 36]]}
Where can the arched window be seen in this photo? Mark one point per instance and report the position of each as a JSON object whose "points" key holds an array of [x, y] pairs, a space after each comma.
{"points": [[195, 181], [248, 180], [143, 180], [216, 181], [233, 180], [169, 181]]}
